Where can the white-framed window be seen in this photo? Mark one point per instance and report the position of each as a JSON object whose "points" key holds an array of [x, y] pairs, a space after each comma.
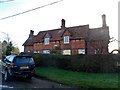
{"points": [[28, 51], [81, 51], [36, 51], [46, 51], [66, 52], [96, 51], [46, 41], [66, 39]]}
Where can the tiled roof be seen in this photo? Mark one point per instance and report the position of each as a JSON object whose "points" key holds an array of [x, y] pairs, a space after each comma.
{"points": [[56, 34], [99, 34], [76, 32], [79, 31], [29, 41]]}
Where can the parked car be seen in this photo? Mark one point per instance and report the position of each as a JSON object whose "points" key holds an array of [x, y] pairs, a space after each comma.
{"points": [[18, 66]]}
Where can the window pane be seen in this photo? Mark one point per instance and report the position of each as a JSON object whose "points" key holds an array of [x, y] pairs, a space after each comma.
{"points": [[81, 51], [20, 60], [66, 39], [46, 41], [66, 52], [46, 51]]}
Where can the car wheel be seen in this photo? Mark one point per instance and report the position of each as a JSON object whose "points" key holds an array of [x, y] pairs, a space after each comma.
{"points": [[6, 76]]}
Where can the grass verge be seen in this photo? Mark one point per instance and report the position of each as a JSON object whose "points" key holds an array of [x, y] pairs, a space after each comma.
{"points": [[79, 79]]}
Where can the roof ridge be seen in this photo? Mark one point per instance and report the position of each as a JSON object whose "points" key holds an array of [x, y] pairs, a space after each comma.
{"points": [[65, 28], [78, 26]]}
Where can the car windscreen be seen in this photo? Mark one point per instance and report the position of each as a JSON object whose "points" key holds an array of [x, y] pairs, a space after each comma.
{"points": [[23, 60]]}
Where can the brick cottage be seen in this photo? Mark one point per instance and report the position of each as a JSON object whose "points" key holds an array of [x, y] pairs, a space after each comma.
{"points": [[70, 40]]}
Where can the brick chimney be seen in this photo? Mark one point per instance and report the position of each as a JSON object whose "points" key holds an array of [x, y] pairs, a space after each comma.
{"points": [[63, 23], [104, 20], [31, 33]]}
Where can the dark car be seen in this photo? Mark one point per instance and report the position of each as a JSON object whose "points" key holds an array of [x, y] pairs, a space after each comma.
{"points": [[18, 66]]}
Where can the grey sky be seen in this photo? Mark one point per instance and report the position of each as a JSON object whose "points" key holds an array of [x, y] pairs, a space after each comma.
{"points": [[75, 12]]}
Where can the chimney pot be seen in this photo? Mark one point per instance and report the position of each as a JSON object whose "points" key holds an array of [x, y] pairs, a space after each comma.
{"points": [[31, 33], [104, 20], [63, 23]]}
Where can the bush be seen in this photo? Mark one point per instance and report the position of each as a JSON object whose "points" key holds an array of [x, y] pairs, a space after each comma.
{"points": [[37, 58], [86, 63]]}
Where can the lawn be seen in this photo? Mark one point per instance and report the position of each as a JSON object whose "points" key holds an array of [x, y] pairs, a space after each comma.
{"points": [[79, 79]]}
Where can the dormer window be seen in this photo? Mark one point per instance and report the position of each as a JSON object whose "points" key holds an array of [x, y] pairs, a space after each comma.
{"points": [[46, 41], [66, 39]]}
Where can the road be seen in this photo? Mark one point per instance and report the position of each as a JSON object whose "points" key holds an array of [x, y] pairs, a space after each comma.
{"points": [[21, 83]]}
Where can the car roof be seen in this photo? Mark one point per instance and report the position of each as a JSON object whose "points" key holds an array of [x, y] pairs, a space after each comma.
{"points": [[12, 56]]}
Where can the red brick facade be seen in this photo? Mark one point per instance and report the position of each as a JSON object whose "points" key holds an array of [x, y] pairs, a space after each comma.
{"points": [[71, 40]]}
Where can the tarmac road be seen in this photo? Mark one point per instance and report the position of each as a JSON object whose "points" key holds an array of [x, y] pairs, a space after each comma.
{"points": [[22, 83], [33, 83]]}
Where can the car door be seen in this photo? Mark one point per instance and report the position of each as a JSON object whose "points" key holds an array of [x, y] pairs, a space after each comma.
{"points": [[5, 64]]}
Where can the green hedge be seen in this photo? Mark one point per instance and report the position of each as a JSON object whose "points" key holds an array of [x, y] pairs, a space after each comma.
{"points": [[86, 63]]}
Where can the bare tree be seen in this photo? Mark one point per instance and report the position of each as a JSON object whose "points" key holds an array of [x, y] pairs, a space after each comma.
{"points": [[8, 45]]}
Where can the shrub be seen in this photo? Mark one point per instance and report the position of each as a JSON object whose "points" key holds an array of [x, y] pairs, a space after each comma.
{"points": [[37, 58], [86, 63]]}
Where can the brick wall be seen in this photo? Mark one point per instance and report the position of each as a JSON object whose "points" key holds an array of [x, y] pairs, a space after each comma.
{"points": [[101, 47], [28, 48], [74, 45]]}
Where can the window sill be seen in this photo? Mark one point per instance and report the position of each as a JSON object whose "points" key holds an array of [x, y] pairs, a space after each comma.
{"points": [[46, 44], [66, 43]]}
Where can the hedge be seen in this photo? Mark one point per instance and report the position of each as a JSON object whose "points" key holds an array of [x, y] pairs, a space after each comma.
{"points": [[87, 63]]}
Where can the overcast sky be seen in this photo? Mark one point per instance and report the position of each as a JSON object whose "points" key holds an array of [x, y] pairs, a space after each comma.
{"points": [[75, 12]]}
